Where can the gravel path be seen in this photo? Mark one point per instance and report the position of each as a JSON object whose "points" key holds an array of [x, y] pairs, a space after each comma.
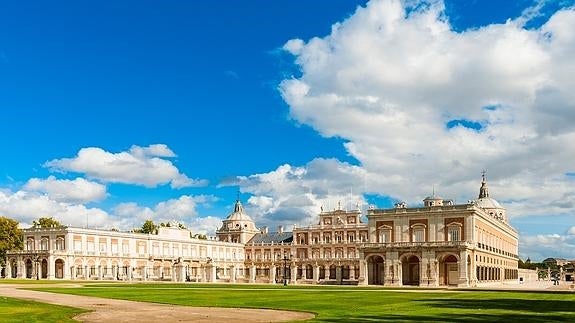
{"points": [[111, 310]]}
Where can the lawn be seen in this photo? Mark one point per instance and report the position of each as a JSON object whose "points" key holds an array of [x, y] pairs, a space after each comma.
{"points": [[354, 304], [16, 310]]}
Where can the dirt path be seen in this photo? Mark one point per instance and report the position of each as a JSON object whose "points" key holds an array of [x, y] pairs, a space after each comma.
{"points": [[111, 310]]}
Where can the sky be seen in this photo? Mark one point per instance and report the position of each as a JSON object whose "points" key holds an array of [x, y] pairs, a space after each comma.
{"points": [[116, 112]]}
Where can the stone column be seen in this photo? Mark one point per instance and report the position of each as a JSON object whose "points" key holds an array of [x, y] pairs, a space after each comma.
{"points": [[362, 280], [232, 274], [397, 268], [73, 272], [303, 272], [8, 269], [293, 279], [252, 274], [51, 267], [211, 273], [463, 275], [316, 273], [273, 274], [352, 271], [180, 273]]}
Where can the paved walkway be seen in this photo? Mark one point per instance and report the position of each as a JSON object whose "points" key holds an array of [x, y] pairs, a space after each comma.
{"points": [[111, 310]]}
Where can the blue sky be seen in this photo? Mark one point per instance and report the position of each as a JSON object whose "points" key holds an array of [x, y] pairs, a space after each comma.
{"points": [[116, 112]]}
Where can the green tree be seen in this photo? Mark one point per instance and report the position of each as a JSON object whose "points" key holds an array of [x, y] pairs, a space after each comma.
{"points": [[149, 227], [11, 237], [47, 223]]}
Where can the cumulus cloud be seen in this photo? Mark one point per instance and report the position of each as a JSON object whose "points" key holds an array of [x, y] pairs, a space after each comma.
{"points": [[182, 209], [295, 195], [145, 166], [26, 207], [78, 190], [540, 247], [399, 85]]}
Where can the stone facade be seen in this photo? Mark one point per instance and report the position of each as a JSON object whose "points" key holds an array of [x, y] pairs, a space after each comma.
{"points": [[439, 244]]}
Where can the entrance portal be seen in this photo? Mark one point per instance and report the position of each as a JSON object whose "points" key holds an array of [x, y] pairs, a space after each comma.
{"points": [[449, 271], [410, 271], [375, 270], [59, 269]]}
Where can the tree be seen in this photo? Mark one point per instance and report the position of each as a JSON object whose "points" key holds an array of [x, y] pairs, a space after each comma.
{"points": [[11, 237], [149, 227], [46, 223]]}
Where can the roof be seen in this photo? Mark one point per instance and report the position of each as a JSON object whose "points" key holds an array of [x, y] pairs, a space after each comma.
{"points": [[238, 214], [274, 237], [488, 203]]}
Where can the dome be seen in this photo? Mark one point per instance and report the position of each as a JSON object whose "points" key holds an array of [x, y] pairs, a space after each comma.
{"points": [[238, 213], [434, 198], [488, 203]]}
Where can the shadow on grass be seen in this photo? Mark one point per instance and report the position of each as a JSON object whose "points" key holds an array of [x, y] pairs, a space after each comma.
{"points": [[448, 318], [507, 304]]}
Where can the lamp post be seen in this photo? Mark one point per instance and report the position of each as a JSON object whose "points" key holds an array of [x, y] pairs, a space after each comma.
{"points": [[285, 259]]}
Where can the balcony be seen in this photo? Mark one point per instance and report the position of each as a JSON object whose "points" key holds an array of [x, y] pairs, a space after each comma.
{"points": [[426, 244]]}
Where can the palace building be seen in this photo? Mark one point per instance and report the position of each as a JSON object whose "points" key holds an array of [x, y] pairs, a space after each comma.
{"points": [[437, 244]]}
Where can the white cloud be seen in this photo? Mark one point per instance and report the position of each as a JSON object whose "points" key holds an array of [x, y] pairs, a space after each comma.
{"points": [[540, 247], [182, 209], [26, 207], [295, 195], [205, 225], [78, 190], [388, 81], [140, 165]]}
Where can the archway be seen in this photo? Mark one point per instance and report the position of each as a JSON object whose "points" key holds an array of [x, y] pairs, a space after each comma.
{"points": [[322, 272], [375, 270], [449, 270], [332, 272], [345, 272], [29, 268], [309, 272], [14, 269], [44, 270], [410, 271], [59, 266]]}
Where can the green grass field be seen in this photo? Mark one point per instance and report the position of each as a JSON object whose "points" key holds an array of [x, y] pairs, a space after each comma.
{"points": [[353, 304], [16, 310]]}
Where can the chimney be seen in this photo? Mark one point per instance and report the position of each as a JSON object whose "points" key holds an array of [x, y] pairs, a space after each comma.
{"points": [[281, 229], [264, 230]]}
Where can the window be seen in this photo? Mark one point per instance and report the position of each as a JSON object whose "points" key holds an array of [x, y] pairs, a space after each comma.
{"points": [[91, 247], [102, 247], [44, 243], [454, 234], [418, 235], [384, 234], [60, 245], [418, 232], [30, 244], [77, 245], [454, 231]]}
